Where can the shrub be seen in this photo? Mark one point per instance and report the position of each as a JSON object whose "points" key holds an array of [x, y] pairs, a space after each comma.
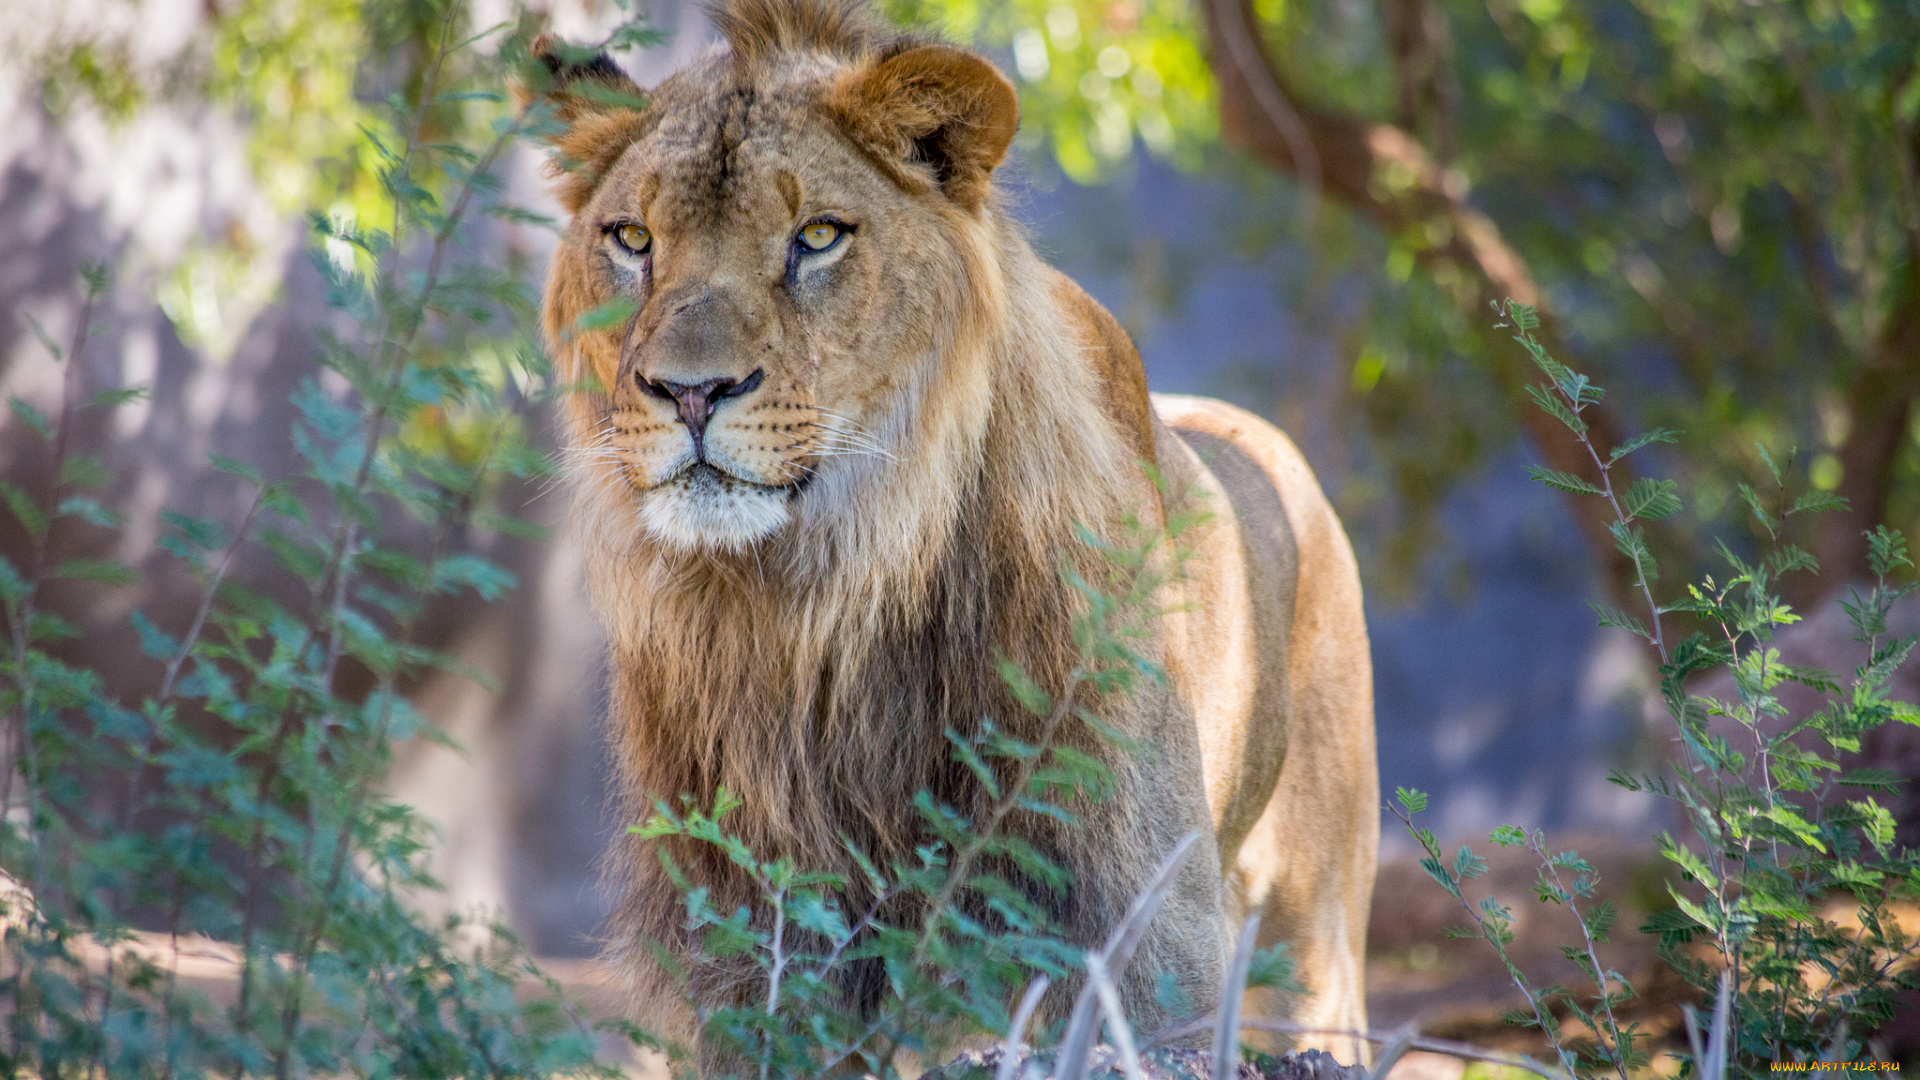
{"points": [[1779, 852], [235, 812]]}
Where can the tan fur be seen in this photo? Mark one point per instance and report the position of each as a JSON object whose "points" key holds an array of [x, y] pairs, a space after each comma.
{"points": [[912, 423]]}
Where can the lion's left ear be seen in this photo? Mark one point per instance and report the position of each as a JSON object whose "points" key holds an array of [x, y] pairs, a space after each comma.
{"points": [[934, 105], [577, 82], [598, 111]]}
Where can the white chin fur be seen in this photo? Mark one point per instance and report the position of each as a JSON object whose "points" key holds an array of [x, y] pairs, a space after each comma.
{"points": [[702, 512]]}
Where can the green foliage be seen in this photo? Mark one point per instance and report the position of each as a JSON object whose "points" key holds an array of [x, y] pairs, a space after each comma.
{"points": [[236, 810], [1791, 883]]}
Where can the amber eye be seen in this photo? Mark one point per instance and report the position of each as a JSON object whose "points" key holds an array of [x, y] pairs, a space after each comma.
{"points": [[821, 235], [632, 237]]}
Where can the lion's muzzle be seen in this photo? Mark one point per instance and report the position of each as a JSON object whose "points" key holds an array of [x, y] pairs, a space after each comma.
{"points": [[696, 402]]}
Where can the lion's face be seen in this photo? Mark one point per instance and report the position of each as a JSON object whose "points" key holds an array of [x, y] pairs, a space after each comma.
{"points": [[789, 288], [765, 336]]}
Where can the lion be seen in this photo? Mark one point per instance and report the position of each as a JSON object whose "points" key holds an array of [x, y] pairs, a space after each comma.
{"points": [[827, 470]]}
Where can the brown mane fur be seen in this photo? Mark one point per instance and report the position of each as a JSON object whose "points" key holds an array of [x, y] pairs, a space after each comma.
{"points": [[760, 31]]}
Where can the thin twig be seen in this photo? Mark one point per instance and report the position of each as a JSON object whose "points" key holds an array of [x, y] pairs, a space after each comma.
{"points": [[36, 568], [1226, 1038], [388, 690], [1017, 1030], [873, 911], [338, 574], [1593, 955], [1606, 488], [185, 649], [1010, 798], [776, 969], [1117, 1025], [1543, 1018]]}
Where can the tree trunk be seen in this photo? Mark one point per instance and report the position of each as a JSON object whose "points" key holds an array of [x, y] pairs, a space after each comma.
{"points": [[1880, 407]]}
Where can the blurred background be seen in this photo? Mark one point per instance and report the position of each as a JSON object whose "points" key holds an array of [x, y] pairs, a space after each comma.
{"points": [[1302, 206]]}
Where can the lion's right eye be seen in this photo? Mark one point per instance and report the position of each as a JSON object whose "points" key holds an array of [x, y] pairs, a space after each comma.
{"points": [[820, 235], [632, 237]]}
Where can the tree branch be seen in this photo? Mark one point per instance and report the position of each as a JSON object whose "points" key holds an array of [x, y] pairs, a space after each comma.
{"points": [[1382, 172], [1417, 41]]}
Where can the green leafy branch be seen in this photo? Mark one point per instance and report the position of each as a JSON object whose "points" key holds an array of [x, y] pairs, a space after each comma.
{"points": [[1566, 395], [1492, 921]]}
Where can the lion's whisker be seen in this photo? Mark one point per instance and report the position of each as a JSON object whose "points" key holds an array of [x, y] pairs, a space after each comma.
{"points": [[833, 452], [854, 438], [828, 450], [852, 424], [847, 444], [845, 438], [850, 430]]}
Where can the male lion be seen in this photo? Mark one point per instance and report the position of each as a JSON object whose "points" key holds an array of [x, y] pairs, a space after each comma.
{"points": [[826, 475]]}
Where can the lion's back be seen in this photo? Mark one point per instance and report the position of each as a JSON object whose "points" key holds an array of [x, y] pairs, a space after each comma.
{"points": [[1275, 496], [1287, 564]]}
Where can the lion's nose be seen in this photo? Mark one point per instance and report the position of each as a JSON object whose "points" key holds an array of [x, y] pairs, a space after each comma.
{"points": [[696, 401]]}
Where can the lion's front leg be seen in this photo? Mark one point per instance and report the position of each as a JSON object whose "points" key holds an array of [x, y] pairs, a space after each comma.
{"points": [[1177, 971]]}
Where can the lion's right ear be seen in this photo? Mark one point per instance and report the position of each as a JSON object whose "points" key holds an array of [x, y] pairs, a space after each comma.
{"points": [[597, 112], [944, 109]]}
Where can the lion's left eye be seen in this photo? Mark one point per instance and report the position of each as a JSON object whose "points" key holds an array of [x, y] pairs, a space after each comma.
{"points": [[821, 235], [632, 237]]}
